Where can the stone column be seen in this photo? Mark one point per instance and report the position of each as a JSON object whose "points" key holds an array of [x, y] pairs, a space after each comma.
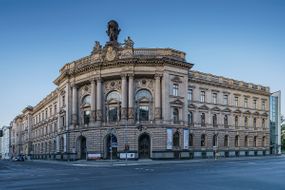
{"points": [[124, 97], [93, 103], [131, 98], [157, 104], [99, 101], [74, 106]]}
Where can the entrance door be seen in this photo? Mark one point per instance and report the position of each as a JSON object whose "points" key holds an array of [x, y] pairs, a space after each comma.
{"points": [[144, 146], [114, 146], [82, 148]]}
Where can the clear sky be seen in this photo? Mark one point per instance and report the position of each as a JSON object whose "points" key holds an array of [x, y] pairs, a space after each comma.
{"points": [[240, 39]]}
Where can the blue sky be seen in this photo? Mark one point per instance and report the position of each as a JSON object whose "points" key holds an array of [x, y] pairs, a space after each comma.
{"points": [[240, 39]]}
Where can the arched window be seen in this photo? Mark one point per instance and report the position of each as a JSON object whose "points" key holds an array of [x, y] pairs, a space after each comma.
{"points": [[85, 106], [190, 118], [246, 141], [226, 141], [176, 139], [226, 121], [203, 119], [175, 115], [236, 141], [113, 106], [203, 140], [86, 100], [215, 140], [143, 99], [191, 140], [215, 123]]}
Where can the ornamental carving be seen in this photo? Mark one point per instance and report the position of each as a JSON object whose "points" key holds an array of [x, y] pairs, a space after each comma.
{"points": [[97, 48], [112, 85], [144, 83], [84, 90]]}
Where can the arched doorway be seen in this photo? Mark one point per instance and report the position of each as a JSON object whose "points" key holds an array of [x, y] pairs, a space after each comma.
{"points": [[81, 147], [144, 146], [111, 140]]}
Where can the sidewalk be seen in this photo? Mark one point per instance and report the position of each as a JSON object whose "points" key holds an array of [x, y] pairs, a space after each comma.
{"points": [[118, 163]]}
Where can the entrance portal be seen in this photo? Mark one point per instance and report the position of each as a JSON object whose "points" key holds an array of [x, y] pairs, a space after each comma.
{"points": [[144, 146], [111, 141], [82, 147]]}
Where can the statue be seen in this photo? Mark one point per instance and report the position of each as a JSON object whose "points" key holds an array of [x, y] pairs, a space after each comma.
{"points": [[129, 43], [97, 48], [113, 30]]}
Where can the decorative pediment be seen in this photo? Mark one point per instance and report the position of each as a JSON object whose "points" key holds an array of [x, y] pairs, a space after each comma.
{"points": [[264, 114], [256, 113], [247, 112], [227, 110], [61, 111], [215, 109], [176, 79], [193, 106], [177, 102], [237, 111], [204, 107]]}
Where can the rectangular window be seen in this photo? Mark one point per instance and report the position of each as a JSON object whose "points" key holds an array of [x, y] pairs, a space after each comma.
{"points": [[236, 101], [175, 90], [215, 98], [63, 100], [50, 110], [245, 102], [190, 118], [143, 113], [226, 99], [62, 121], [254, 104], [46, 114], [254, 122], [202, 98], [86, 117], [263, 105], [190, 95], [55, 109]]}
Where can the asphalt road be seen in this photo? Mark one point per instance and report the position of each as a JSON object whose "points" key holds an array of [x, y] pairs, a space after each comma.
{"points": [[251, 174]]}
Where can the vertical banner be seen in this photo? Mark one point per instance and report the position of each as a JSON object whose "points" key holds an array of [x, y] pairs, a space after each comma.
{"points": [[169, 139], [64, 142], [186, 139]]}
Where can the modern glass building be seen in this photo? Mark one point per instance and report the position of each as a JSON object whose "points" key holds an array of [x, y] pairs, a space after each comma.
{"points": [[275, 123]]}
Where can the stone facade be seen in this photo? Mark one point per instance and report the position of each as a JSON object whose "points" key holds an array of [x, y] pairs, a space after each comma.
{"points": [[144, 103]]}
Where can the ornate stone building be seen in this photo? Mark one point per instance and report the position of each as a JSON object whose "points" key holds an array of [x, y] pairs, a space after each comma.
{"points": [[143, 103]]}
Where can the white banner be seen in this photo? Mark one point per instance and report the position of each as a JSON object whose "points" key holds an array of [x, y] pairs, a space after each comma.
{"points": [[186, 139], [169, 139]]}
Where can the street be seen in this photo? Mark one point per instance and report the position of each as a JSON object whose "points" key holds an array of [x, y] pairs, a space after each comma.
{"points": [[266, 173]]}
